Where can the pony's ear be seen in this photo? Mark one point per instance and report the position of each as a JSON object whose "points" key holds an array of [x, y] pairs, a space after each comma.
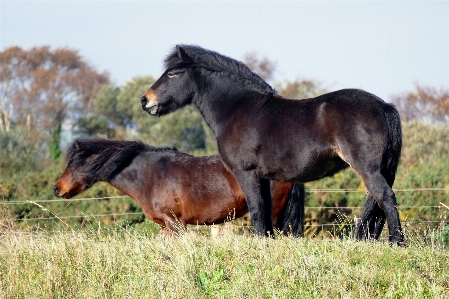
{"points": [[77, 145], [181, 52]]}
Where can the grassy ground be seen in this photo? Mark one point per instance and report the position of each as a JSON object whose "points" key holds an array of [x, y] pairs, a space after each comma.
{"points": [[140, 265]]}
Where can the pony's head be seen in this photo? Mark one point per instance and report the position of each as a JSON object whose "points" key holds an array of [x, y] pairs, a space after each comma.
{"points": [[76, 177], [174, 89], [185, 77], [90, 160]]}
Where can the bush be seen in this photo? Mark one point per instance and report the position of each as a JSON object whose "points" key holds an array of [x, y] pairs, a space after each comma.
{"points": [[17, 154]]}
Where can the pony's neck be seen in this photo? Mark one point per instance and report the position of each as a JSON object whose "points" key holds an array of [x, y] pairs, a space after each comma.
{"points": [[126, 184], [127, 180], [218, 104]]}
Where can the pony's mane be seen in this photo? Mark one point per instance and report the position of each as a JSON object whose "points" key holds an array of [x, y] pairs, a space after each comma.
{"points": [[213, 61], [110, 155]]}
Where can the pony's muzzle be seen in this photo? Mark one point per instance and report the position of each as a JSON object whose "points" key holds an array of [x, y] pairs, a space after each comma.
{"points": [[56, 191], [149, 103], [144, 101]]}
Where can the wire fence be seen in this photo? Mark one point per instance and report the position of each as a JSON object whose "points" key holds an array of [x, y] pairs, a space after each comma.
{"points": [[141, 213], [18, 202], [116, 215]]}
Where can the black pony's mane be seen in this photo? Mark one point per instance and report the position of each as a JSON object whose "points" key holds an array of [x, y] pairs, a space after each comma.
{"points": [[213, 61], [111, 156]]}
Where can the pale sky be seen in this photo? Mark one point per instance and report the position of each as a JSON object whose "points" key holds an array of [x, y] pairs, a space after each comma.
{"points": [[380, 46]]}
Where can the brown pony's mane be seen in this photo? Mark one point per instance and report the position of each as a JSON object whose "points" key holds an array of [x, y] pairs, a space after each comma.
{"points": [[213, 61], [111, 156]]}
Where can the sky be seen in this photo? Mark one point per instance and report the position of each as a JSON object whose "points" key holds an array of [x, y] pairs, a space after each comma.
{"points": [[383, 47]]}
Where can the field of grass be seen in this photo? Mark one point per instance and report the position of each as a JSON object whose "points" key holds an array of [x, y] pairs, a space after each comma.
{"points": [[133, 264]]}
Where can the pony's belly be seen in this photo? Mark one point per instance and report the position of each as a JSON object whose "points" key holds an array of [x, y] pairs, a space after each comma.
{"points": [[321, 170], [215, 208], [307, 172], [211, 215]]}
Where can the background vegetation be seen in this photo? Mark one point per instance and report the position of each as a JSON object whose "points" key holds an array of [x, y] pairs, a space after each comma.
{"points": [[49, 96]]}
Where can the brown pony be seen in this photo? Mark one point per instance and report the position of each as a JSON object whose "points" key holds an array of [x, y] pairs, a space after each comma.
{"points": [[171, 186]]}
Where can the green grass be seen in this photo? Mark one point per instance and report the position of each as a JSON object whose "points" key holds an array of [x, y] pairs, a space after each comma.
{"points": [[140, 265]]}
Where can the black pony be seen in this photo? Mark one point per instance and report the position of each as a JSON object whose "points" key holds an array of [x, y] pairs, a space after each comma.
{"points": [[262, 136]]}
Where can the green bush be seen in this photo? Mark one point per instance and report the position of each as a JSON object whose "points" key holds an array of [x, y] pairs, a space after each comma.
{"points": [[17, 153]]}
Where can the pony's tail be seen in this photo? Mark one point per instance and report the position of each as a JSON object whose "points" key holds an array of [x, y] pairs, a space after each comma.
{"points": [[291, 218], [392, 153]]}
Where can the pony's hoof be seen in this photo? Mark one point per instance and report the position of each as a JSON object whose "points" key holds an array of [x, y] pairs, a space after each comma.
{"points": [[399, 243]]}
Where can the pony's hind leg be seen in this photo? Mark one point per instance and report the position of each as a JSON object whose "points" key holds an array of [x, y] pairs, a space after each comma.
{"points": [[378, 187], [371, 221], [291, 218]]}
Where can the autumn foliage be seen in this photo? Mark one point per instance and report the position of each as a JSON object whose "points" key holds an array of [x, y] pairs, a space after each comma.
{"points": [[425, 103], [41, 88]]}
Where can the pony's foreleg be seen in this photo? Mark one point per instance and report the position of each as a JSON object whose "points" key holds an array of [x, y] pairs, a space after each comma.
{"points": [[258, 197], [174, 226], [167, 231], [372, 220]]}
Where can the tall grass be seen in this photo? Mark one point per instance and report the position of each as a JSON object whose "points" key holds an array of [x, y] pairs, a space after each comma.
{"points": [[137, 265]]}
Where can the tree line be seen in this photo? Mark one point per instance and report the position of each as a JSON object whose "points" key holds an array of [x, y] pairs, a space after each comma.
{"points": [[45, 93]]}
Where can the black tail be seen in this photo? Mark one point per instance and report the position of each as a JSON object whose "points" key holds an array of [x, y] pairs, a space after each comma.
{"points": [[393, 150], [373, 217], [291, 218]]}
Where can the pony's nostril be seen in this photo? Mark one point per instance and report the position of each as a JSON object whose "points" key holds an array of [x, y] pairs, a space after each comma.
{"points": [[56, 190], [144, 101]]}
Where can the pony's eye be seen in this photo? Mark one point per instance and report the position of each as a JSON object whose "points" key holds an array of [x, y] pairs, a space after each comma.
{"points": [[173, 74]]}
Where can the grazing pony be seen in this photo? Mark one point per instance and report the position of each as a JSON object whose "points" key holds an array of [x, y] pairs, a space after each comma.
{"points": [[262, 136], [171, 186]]}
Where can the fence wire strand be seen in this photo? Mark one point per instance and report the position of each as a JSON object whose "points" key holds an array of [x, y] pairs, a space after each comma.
{"points": [[17, 202], [441, 205]]}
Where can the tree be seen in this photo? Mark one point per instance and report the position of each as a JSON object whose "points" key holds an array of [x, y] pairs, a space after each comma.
{"points": [[119, 114], [53, 143], [12, 72], [128, 103], [16, 154], [183, 129], [300, 88], [263, 67], [106, 120], [297, 89], [425, 103], [106, 105], [42, 88], [117, 110], [95, 125]]}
